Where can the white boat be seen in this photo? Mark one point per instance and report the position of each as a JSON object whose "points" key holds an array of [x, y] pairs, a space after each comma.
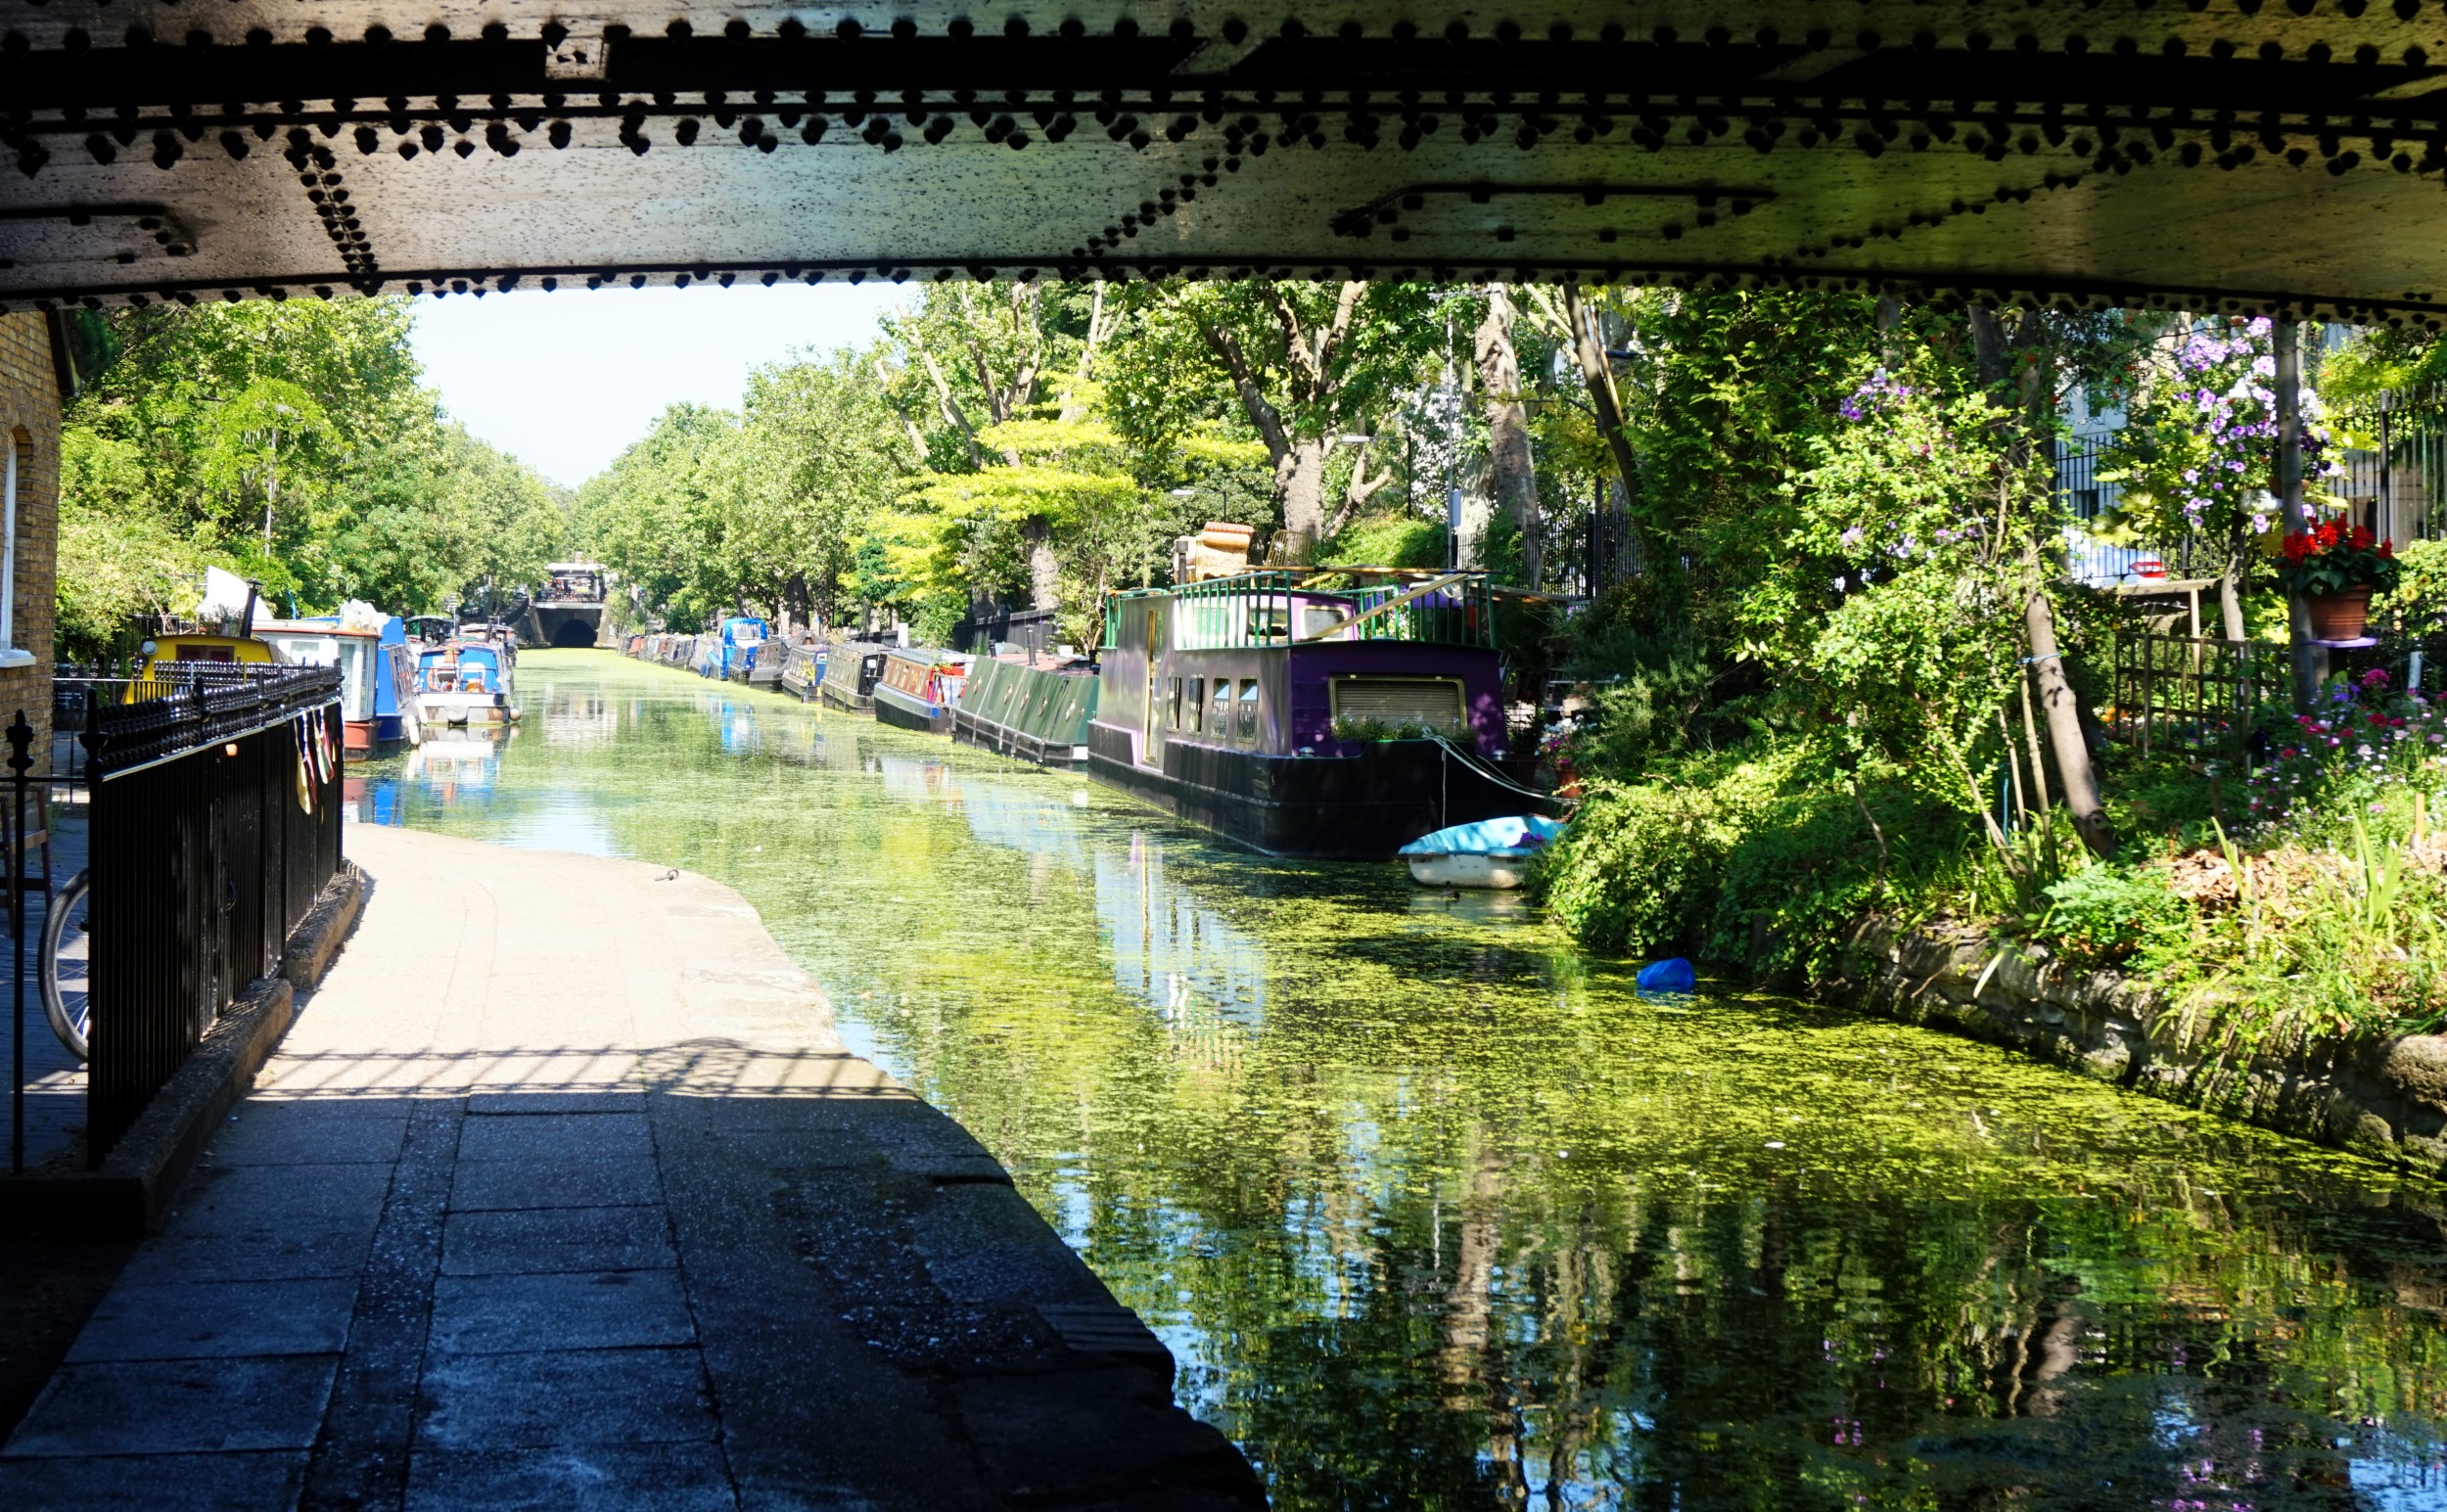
{"points": [[1489, 853], [464, 682]]}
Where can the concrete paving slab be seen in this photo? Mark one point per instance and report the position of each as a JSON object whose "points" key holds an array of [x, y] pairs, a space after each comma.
{"points": [[218, 1319], [558, 1136], [575, 1310], [556, 1181], [533, 1240], [597, 1478], [546, 1101], [175, 1407], [155, 1483], [234, 1199], [311, 1131], [563, 1399], [270, 1253]]}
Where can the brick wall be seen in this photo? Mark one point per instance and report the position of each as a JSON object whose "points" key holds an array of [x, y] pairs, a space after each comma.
{"points": [[29, 419]]}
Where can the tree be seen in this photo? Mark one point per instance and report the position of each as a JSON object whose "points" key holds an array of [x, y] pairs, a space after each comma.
{"points": [[2016, 372], [987, 356], [823, 452], [1514, 469], [1306, 364]]}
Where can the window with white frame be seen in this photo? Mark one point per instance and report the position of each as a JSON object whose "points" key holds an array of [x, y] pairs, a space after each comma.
{"points": [[14, 469]]}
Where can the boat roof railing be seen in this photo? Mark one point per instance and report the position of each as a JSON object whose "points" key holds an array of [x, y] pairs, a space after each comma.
{"points": [[1255, 608]]}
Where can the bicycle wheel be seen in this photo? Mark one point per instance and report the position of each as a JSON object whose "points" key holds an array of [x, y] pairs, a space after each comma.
{"points": [[68, 965]]}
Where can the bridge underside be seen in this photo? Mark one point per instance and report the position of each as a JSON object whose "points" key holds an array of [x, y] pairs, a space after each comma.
{"points": [[2218, 153]]}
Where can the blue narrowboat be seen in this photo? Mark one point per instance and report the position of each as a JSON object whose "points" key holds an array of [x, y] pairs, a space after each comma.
{"points": [[734, 650]]}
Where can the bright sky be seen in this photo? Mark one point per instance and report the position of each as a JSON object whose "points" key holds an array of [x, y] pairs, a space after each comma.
{"points": [[565, 380]]}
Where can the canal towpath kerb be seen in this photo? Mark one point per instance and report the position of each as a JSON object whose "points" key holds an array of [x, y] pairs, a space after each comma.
{"points": [[562, 1192]]}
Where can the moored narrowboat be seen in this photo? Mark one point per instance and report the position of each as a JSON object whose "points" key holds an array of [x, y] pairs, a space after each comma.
{"points": [[851, 671], [1314, 711], [357, 653], [731, 649], [802, 670], [463, 682], [1036, 712], [920, 688]]}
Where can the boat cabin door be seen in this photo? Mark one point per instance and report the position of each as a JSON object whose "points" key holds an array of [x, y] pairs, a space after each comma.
{"points": [[1151, 745]]}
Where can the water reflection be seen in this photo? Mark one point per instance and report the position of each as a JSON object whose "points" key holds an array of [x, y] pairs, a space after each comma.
{"points": [[1438, 1214]]}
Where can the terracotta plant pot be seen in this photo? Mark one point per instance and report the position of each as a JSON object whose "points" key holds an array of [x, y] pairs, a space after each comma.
{"points": [[2339, 615]]}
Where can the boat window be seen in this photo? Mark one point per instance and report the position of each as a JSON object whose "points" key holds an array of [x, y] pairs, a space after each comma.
{"points": [[1222, 721], [1197, 705], [1177, 704], [1249, 709], [1268, 621]]}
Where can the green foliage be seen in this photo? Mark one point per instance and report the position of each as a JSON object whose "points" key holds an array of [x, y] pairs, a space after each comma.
{"points": [[2103, 913], [1386, 540], [2421, 597], [291, 442]]}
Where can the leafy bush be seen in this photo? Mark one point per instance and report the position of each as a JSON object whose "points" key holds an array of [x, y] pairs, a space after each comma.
{"points": [[1769, 831], [2105, 913], [1386, 540], [1348, 728]]}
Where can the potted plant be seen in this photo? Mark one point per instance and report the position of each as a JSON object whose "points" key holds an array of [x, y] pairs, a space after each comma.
{"points": [[2335, 568]]}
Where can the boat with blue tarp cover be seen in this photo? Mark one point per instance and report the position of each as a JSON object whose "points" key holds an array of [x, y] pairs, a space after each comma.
{"points": [[1483, 853]]}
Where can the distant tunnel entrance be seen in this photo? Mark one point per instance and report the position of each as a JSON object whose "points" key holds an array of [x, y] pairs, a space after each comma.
{"points": [[574, 635]]}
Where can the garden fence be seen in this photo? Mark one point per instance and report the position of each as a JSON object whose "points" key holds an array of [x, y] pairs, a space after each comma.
{"points": [[2176, 694]]}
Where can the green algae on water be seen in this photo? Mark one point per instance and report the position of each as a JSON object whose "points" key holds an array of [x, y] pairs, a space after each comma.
{"points": [[1437, 1212]]}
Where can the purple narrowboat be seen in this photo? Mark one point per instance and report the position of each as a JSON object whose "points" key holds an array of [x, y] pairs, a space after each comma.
{"points": [[1320, 711]]}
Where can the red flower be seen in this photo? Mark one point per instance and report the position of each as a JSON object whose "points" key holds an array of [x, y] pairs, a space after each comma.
{"points": [[2387, 549], [2361, 538]]}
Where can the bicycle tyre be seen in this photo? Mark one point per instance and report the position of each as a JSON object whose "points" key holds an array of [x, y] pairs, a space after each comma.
{"points": [[71, 1026]]}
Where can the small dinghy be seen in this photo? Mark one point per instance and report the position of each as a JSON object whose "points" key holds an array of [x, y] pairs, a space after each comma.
{"points": [[1490, 853]]}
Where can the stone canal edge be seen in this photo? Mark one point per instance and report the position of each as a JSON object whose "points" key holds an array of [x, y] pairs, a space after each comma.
{"points": [[561, 1190], [2384, 1099]]}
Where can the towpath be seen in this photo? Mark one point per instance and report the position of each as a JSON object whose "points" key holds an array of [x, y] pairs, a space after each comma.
{"points": [[562, 1192]]}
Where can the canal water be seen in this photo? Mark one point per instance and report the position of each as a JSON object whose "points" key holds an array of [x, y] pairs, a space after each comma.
{"points": [[1437, 1213]]}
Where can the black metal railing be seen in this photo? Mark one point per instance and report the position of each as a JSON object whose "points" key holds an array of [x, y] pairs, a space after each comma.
{"points": [[214, 823], [2085, 496], [2394, 483]]}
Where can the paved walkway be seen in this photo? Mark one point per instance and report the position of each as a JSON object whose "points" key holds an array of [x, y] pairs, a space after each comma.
{"points": [[563, 1193]]}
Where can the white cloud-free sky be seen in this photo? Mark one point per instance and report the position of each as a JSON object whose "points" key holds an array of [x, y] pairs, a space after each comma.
{"points": [[564, 381]]}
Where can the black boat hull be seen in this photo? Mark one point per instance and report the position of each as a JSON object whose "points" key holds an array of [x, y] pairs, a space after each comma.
{"points": [[1357, 808], [888, 710]]}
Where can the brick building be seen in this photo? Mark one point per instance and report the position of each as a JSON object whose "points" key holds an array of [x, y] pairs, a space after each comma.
{"points": [[29, 520]]}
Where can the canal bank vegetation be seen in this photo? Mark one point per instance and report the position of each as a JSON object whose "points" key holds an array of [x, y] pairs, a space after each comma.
{"points": [[1832, 707], [294, 443]]}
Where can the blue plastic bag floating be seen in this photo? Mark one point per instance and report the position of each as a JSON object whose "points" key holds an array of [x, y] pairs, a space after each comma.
{"points": [[1671, 975]]}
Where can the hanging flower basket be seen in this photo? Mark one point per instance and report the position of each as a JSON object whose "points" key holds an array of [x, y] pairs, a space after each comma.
{"points": [[2335, 568], [2342, 616]]}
